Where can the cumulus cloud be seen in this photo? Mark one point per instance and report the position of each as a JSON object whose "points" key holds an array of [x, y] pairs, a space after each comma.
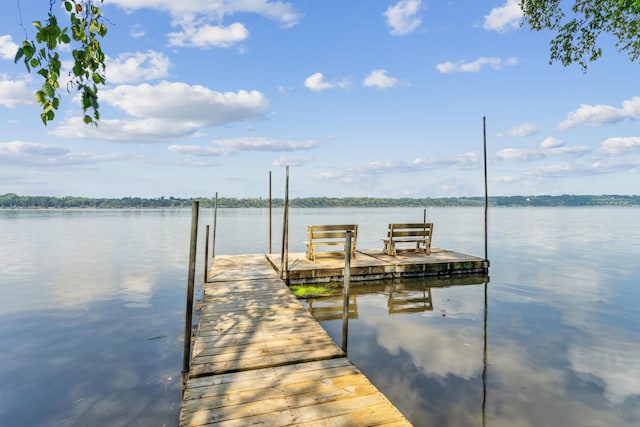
{"points": [[139, 66], [598, 115], [619, 145], [475, 66], [166, 111], [521, 130], [225, 147], [206, 36], [403, 17], [380, 79], [14, 92], [316, 83], [504, 18], [8, 48]]}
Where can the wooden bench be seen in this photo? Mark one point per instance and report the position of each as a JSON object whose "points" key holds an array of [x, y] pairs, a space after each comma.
{"points": [[418, 233], [330, 235]]}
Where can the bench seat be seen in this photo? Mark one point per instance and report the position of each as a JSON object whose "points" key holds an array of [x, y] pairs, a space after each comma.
{"points": [[330, 236], [418, 233]]}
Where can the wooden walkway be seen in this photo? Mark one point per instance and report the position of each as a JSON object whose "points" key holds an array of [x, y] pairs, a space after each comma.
{"points": [[259, 357]]}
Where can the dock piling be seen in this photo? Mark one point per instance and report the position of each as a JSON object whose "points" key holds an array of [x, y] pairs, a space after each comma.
{"points": [[188, 318]]}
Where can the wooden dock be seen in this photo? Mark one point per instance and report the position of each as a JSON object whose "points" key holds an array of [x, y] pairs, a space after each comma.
{"points": [[374, 264], [259, 357]]}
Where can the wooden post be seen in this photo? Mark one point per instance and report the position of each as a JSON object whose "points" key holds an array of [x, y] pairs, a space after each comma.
{"points": [[188, 318], [486, 190], [270, 216], [215, 219], [345, 291], [284, 263], [206, 254]]}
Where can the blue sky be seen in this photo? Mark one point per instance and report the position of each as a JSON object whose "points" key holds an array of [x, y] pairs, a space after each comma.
{"points": [[359, 98]]}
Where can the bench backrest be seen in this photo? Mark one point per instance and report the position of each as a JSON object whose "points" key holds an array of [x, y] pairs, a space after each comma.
{"points": [[331, 232], [410, 230]]}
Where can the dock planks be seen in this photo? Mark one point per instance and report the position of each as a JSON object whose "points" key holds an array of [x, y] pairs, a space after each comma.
{"points": [[259, 357]]}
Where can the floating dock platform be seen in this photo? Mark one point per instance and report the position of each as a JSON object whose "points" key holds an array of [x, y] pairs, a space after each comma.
{"points": [[374, 264]]}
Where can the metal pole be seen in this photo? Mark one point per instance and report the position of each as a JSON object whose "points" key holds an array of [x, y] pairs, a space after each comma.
{"points": [[486, 190], [186, 356], [285, 232], [485, 361], [270, 217], [345, 291], [206, 254], [424, 216], [215, 220]]}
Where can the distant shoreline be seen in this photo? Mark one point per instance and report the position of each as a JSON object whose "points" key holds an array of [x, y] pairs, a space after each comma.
{"points": [[13, 201]]}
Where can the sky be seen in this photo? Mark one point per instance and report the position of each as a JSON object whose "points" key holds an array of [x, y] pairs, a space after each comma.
{"points": [[360, 98]]}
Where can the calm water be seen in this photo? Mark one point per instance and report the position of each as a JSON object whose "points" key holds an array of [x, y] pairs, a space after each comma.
{"points": [[92, 306]]}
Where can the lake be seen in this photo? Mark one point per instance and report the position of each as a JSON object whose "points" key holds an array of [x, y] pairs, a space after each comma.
{"points": [[92, 314]]}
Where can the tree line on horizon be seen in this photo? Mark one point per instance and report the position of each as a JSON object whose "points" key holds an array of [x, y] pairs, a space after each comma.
{"points": [[14, 201]]}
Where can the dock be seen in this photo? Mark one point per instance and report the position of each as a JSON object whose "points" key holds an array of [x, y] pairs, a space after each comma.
{"points": [[374, 264], [259, 357]]}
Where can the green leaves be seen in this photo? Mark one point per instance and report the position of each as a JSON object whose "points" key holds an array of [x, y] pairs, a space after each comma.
{"points": [[578, 30], [87, 71]]}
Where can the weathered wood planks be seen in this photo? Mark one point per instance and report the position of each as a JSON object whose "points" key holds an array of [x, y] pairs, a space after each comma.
{"points": [[259, 357]]}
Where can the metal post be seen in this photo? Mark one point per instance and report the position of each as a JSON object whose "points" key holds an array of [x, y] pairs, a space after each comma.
{"points": [[486, 190], [284, 263], [206, 254], [345, 291], [270, 217], [215, 220], [188, 318]]}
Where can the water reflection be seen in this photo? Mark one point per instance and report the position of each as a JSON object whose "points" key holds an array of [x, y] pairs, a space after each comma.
{"points": [[445, 355]]}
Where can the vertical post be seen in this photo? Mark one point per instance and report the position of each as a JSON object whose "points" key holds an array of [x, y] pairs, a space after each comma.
{"points": [[345, 291], [424, 216], [206, 254], [215, 219], [188, 318], [486, 190], [284, 263], [270, 216], [485, 362]]}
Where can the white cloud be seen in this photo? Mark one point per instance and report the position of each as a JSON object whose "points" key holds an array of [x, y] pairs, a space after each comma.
{"points": [[206, 36], [8, 48], [15, 92], [180, 102], [504, 18], [225, 147], [166, 111], [403, 17], [549, 147], [291, 161], [30, 154], [134, 67], [521, 130], [619, 145], [475, 66], [598, 115], [316, 83], [380, 79], [216, 10], [551, 142]]}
